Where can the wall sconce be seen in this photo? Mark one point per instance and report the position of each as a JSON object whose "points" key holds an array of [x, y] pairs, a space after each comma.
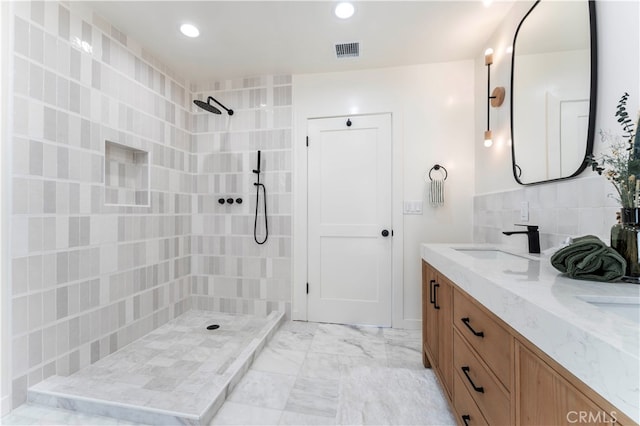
{"points": [[494, 99]]}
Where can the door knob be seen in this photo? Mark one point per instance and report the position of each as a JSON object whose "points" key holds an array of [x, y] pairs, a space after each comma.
{"points": [[385, 233]]}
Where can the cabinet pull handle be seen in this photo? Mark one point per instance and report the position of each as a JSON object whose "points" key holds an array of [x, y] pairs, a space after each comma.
{"points": [[466, 419], [435, 296], [480, 389], [466, 320], [431, 283]]}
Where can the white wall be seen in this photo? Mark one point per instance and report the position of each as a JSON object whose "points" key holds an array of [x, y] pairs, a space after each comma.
{"points": [[618, 70], [432, 119], [493, 165]]}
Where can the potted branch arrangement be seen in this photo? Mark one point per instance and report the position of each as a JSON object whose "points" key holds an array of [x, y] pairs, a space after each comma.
{"points": [[620, 165]]}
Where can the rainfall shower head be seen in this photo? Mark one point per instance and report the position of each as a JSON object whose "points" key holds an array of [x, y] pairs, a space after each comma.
{"points": [[208, 107]]}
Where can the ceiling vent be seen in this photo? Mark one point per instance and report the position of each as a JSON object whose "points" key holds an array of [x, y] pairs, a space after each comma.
{"points": [[348, 50]]}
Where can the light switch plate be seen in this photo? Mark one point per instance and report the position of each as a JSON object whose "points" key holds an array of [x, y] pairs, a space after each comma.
{"points": [[413, 207], [524, 211]]}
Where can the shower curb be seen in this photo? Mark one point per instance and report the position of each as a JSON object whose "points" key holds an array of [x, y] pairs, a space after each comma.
{"points": [[154, 416]]}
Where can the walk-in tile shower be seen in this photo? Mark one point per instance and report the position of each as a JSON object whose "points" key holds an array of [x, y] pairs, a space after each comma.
{"points": [[114, 181]]}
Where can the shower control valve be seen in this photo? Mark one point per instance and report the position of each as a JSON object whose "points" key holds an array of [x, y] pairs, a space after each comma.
{"points": [[230, 200]]}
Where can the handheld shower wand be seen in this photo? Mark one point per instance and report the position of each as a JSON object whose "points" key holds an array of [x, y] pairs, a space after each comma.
{"points": [[259, 185]]}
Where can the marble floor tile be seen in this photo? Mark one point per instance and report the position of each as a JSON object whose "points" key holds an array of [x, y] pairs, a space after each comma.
{"points": [[392, 396], [314, 396], [328, 366], [400, 335], [308, 374], [348, 362], [301, 327], [283, 361], [404, 356], [262, 389], [351, 331], [233, 413], [348, 341], [291, 418], [292, 340], [164, 384]]}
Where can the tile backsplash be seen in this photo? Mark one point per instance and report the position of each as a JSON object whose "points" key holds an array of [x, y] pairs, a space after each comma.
{"points": [[563, 209]]}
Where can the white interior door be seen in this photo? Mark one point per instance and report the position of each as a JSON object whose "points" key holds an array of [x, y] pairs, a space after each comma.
{"points": [[349, 207], [567, 128]]}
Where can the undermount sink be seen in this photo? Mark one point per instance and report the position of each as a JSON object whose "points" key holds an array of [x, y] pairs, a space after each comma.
{"points": [[489, 254], [625, 307]]}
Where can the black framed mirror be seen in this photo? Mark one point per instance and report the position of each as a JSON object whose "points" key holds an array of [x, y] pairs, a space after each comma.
{"points": [[553, 91]]}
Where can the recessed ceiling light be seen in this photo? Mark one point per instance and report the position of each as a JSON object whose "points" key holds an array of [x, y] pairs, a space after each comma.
{"points": [[344, 10], [189, 30], [487, 3]]}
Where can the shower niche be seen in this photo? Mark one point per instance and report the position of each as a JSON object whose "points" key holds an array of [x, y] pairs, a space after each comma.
{"points": [[126, 175]]}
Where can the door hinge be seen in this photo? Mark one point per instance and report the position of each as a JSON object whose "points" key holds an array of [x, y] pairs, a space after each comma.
{"points": [[307, 288], [392, 232], [307, 140]]}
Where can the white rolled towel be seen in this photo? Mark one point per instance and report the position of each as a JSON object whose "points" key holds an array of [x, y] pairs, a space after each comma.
{"points": [[436, 192]]}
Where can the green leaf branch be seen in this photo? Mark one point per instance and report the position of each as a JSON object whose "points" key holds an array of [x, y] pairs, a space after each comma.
{"points": [[621, 163]]}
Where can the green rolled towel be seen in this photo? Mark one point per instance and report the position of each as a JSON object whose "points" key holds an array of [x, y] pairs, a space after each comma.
{"points": [[588, 258]]}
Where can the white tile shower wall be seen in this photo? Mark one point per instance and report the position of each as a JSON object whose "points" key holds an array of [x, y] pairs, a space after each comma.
{"points": [[566, 209], [87, 278], [231, 272]]}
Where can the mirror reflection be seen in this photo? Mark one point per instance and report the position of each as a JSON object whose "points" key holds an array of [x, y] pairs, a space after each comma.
{"points": [[553, 91]]}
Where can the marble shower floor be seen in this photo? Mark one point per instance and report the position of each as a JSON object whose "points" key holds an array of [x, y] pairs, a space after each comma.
{"points": [[179, 373], [322, 374]]}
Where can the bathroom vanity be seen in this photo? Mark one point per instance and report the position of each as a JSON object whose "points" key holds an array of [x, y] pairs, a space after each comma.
{"points": [[513, 342]]}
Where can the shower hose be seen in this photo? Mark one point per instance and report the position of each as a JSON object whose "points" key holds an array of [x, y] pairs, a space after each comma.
{"points": [[258, 185]]}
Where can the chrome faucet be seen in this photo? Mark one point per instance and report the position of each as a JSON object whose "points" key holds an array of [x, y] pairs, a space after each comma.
{"points": [[532, 234]]}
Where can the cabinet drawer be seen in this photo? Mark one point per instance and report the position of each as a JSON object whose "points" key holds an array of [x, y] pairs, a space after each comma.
{"points": [[488, 394], [485, 335], [465, 406]]}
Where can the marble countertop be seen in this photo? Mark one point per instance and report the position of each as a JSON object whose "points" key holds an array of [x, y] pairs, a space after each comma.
{"points": [[552, 311]]}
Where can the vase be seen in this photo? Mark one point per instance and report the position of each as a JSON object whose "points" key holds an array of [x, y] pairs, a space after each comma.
{"points": [[625, 240]]}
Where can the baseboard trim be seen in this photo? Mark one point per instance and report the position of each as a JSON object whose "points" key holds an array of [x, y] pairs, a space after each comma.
{"points": [[409, 324], [5, 405]]}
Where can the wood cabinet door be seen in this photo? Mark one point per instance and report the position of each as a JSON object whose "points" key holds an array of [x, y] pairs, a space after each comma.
{"points": [[545, 398], [430, 313], [444, 301], [425, 303]]}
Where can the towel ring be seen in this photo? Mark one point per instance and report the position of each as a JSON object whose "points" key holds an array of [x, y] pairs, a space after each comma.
{"points": [[436, 168]]}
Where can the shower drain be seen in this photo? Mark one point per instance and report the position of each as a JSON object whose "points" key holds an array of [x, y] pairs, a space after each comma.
{"points": [[213, 327]]}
